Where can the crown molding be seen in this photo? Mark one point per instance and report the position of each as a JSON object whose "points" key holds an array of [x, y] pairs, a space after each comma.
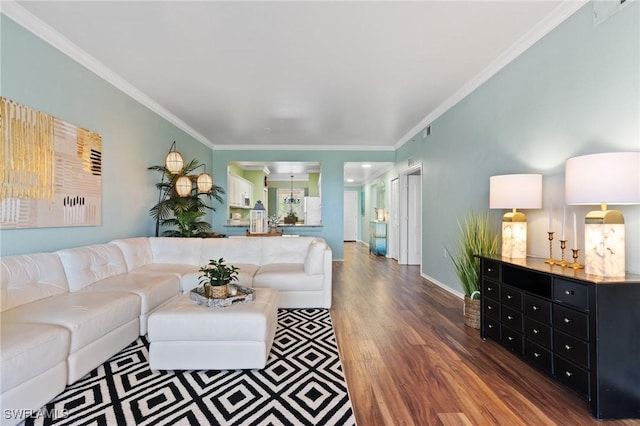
{"points": [[35, 25], [303, 148], [542, 28]]}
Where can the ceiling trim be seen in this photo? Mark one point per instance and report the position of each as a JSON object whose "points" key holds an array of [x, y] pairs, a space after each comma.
{"points": [[303, 148], [551, 21], [42, 30]]}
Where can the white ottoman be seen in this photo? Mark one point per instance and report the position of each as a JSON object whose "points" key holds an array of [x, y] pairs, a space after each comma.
{"points": [[186, 336]]}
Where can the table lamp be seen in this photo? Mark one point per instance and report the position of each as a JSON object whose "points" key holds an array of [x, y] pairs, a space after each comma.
{"points": [[607, 178], [518, 191]]}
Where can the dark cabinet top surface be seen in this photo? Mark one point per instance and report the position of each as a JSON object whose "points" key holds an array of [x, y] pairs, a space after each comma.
{"points": [[537, 264]]}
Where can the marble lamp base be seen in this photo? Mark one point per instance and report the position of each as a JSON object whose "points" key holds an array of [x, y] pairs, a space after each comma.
{"points": [[604, 249], [514, 240]]}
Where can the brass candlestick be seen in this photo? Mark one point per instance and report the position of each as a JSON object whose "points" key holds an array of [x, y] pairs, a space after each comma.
{"points": [[550, 260], [575, 264], [562, 262]]}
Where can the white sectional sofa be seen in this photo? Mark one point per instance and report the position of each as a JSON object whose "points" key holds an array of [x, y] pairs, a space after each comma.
{"points": [[65, 313]]}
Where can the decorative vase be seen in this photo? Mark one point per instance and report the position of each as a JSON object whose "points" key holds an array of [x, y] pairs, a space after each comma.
{"points": [[216, 291], [472, 312]]}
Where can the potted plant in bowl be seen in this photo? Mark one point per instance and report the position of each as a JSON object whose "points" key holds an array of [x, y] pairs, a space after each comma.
{"points": [[215, 278], [476, 237]]}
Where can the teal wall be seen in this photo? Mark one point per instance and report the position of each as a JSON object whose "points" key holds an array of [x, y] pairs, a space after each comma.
{"points": [[575, 92], [133, 138]]}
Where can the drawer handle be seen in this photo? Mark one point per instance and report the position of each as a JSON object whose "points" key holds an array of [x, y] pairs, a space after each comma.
{"points": [[489, 269], [535, 308], [568, 292], [509, 296], [568, 373], [568, 347], [509, 317], [490, 325], [511, 339], [536, 331], [568, 320], [537, 355], [489, 307], [489, 288]]}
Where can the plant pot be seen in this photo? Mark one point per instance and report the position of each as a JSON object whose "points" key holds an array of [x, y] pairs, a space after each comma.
{"points": [[290, 219], [472, 312], [216, 291], [273, 230]]}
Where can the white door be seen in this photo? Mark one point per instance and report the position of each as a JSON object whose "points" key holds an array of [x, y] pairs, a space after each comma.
{"points": [[394, 219], [351, 215], [414, 220]]}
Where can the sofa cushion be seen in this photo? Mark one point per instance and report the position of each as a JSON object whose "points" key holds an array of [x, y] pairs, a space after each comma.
{"points": [[86, 265], [287, 277], [233, 250], [136, 251], [245, 277], [314, 260], [87, 315], [153, 289], [183, 251], [29, 350], [284, 250], [29, 277]]}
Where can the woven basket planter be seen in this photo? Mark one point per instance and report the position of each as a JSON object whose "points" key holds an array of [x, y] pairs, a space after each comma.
{"points": [[217, 291], [472, 312]]}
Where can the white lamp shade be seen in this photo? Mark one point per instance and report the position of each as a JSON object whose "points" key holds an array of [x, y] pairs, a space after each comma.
{"points": [[204, 183], [519, 191], [183, 186], [611, 178], [174, 162]]}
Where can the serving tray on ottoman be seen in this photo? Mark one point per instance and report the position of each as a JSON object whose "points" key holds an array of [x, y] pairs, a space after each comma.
{"points": [[243, 295]]}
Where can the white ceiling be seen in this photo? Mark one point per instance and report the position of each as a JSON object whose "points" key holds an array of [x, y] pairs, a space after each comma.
{"points": [[298, 75]]}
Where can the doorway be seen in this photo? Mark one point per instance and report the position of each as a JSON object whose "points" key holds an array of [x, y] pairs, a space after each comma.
{"points": [[350, 215], [410, 217], [394, 221]]}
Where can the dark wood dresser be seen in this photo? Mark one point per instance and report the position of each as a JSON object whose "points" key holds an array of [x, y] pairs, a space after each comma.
{"points": [[581, 329]]}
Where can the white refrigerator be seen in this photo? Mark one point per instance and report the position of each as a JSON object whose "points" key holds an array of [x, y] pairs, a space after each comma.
{"points": [[312, 210]]}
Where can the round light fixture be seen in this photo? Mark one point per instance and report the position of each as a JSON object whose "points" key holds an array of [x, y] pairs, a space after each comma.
{"points": [[204, 183], [183, 186], [174, 162]]}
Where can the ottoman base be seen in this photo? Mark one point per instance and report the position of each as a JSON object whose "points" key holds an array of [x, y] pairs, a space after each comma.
{"points": [[186, 336]]}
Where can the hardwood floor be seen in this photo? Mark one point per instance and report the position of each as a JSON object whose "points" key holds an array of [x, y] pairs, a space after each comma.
{"points": [[409, 360]]}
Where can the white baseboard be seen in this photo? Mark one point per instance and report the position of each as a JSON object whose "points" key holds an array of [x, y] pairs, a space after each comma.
{"points": [[442, 286]]}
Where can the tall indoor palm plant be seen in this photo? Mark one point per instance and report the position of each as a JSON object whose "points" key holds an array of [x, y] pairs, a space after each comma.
{"points": [[477, 237], [182, 214]]}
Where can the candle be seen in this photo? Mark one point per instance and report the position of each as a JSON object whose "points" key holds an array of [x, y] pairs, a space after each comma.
{"points": [[550, 216], [575, 232], [564, 218]]}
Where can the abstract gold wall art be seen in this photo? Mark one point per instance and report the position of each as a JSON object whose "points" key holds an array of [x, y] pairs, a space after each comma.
{"points": [[50, 170]]}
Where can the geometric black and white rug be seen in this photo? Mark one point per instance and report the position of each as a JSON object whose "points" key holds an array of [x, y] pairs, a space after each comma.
{"points": [[302, 384]]}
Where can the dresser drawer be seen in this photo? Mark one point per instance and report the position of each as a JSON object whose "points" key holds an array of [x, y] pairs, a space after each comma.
{"points": [[491, 308], [511, 318], [512, 340], [511, 297], [537, 332], [571, 322], [492, 328], [491, 269], [537, 308], [572, 376], [573, 349], [539, 356], [571, 293], [491, 289]]}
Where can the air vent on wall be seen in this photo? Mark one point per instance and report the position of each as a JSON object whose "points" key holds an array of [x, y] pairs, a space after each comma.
{"points": [[426, 132]]}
